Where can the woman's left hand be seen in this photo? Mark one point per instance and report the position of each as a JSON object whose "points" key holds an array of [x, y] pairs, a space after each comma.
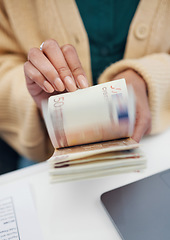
{"points": [[143, 115]]}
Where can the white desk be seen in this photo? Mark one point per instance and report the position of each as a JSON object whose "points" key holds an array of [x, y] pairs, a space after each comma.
{"points": [[73, 210]]}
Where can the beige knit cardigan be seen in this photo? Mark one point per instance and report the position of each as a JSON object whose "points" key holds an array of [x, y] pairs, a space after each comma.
{"points": [[27, 23]]}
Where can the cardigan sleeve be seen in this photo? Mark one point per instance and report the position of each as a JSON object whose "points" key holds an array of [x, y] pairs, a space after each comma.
{"points": [[20, 123], [155, 70]]}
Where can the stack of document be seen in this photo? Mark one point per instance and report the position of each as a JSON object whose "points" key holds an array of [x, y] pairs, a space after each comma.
{"points": [[90, 130], [96, 160]]}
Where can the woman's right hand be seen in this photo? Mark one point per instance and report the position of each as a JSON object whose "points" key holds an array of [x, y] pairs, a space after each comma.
{"points": [[53, 70]]}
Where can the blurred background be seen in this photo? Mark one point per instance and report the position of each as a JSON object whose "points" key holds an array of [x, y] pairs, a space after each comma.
{"points": [[11, 160]]}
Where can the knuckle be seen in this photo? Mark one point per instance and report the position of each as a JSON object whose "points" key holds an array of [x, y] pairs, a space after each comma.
{"points": [[49, 43], [77, 70], [63, 70], [32, 53], [68, 49]]}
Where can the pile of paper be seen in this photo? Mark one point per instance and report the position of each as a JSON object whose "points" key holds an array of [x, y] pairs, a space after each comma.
{"points": [[96, 160]]}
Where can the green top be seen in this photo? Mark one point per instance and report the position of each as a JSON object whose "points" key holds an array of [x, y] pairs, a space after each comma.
{"points": [[107, 23]]}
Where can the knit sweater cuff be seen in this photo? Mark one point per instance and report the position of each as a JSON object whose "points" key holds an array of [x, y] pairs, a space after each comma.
{"points": [[155, 70]]}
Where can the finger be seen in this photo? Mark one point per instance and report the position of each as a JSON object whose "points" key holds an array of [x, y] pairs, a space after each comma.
{"points": [[44, 66], [142, 126], [53, 52], [33, 75], [33, 88], [74, 64], [138, 132]]}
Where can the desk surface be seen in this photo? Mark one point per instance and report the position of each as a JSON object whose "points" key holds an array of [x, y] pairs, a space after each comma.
{"points": [[73, 210]]}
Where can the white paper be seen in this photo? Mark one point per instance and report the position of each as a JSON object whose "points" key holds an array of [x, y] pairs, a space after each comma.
{"points": [[18, 218]]}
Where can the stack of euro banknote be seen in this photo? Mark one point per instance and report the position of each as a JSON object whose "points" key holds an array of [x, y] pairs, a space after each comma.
{"points": [[91, 131]]}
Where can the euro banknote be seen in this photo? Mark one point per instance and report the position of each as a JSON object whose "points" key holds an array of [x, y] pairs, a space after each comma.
{"points": [[83, 161], [96, 174], [96, 160], [91, 131], [98, 113]]}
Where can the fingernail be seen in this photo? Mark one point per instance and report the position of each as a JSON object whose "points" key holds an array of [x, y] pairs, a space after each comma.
{"points": [[83, 83], [48, 87], [69, 82], [59, 84]]}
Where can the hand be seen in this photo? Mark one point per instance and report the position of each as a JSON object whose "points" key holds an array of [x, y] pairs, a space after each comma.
{"points": [[143, 115], [53, 70]]}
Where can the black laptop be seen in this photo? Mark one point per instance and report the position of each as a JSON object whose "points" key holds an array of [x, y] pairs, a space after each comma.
{"points": [[141, 210]]}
